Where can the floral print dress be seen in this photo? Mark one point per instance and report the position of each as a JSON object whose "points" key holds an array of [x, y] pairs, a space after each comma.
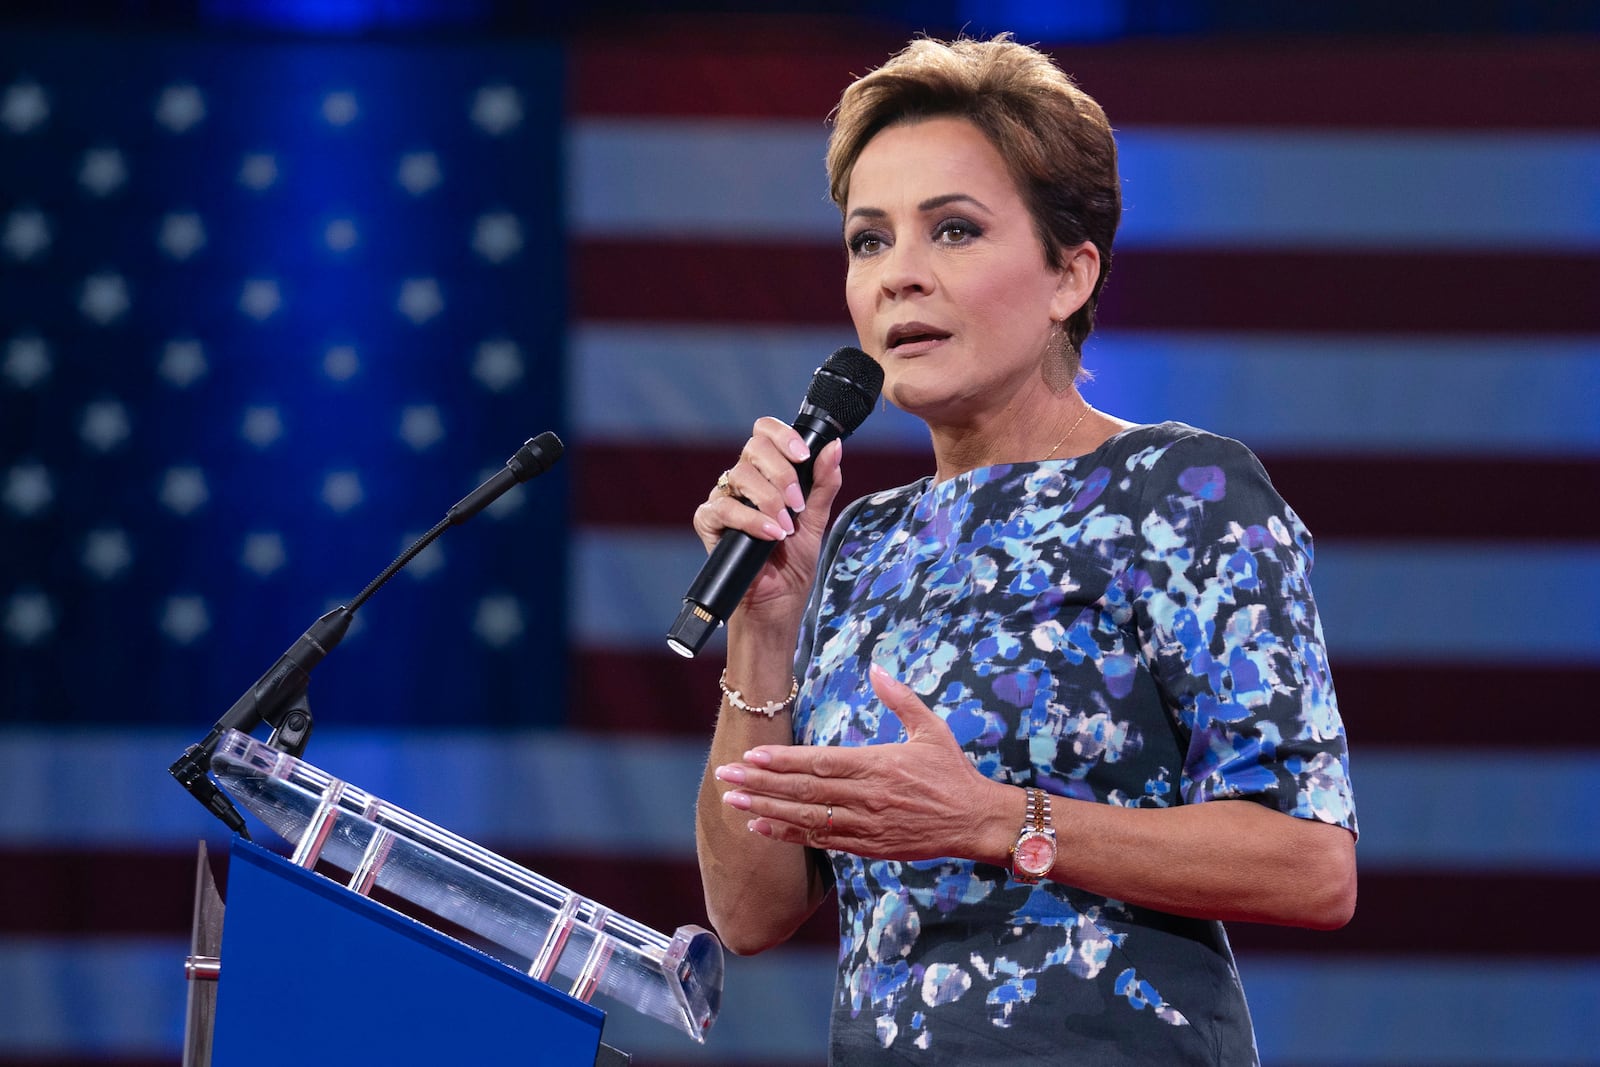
{"points": [[1132, 627]]}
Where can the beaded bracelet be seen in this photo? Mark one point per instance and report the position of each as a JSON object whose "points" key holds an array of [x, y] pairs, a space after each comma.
{"points": [[769, 709]]}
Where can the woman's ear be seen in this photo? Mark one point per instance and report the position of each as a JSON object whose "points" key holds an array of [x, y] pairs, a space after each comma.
{"points": [[1075, 281]]}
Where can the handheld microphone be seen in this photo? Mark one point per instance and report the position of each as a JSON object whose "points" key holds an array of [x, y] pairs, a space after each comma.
{"points": [[839, 400]]}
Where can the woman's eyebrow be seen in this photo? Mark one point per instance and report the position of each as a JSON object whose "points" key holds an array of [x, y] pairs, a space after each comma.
{"points": [[930, 204]]}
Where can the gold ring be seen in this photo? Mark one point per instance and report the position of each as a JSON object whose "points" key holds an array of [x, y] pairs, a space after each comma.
{"points": [[723, 485], [830, 817]]}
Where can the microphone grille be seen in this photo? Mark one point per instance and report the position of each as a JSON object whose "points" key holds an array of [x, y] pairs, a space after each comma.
{"points": [[846, 386]]}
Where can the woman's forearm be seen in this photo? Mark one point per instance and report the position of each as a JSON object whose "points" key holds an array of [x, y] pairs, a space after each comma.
{"points": [[1222, 859], [758, 891]]}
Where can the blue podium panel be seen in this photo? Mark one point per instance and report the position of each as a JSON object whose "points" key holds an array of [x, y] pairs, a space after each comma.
{"points": [[313, 973]]}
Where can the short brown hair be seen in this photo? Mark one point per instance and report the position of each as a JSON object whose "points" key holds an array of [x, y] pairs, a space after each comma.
{"points": [[1054, 138]]}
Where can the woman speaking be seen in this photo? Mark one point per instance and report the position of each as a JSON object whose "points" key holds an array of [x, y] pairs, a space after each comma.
{"points": [[1048, 717]]}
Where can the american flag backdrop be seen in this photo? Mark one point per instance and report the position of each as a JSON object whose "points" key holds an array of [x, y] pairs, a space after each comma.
{"points": [[270, 306]]}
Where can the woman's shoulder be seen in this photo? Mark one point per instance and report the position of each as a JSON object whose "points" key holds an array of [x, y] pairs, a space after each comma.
{"points": [[1144, 445]]}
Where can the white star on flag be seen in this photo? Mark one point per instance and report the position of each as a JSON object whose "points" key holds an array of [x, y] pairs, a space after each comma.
{"points": [[340, 235], [30, 617], [420, 299], [421, 426], [105, 298], [27, 234], [185, 618], [424, 564], [497, 236], [340, 108], [180, 108], [498, 620], [27, 361], [262, 425], [107, 552], [182, 234], [498, 364], [341, 490], [104, 425], [182, 363], [183, 490], [103, 171], [264, 552], [260, 298], [26, 107], [258, 171], [497, 109], [28, 489], [419, 172], [341, 363]]}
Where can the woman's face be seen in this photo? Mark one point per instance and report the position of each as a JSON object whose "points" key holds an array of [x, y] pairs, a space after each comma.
{"points": [[948, 284]]}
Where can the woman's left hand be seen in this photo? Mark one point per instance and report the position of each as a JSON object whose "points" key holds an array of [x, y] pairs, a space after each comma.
{"points": [[919, 799]]}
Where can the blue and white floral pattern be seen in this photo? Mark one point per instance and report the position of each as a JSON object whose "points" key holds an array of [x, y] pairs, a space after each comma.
{"points": [[1132, 627]]}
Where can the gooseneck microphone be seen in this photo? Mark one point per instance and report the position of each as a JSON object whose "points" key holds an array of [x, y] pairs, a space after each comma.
{"points": [[839, 400], [533, 458], [279, 696]]}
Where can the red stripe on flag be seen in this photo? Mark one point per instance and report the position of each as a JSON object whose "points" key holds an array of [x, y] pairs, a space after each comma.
{"points": [[1399, 913], [1464, 292], [1383, 704], [1435, 498], [711, 70]]}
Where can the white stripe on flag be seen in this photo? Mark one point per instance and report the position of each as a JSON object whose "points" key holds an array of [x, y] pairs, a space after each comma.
{"points": [[539, 789], [531, 792], [83, 998], [1426, 1013], [69, 998], [1352, 393], [1485, 603], [1182, 187]]}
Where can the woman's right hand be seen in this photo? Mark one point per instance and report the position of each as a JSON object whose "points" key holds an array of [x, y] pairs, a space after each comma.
{"points": [[765, 476]]}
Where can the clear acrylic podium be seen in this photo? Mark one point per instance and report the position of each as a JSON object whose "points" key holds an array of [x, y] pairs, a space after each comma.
{"points": [[339, 977]]}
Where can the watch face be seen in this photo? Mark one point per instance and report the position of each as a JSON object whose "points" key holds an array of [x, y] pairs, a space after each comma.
{"points": [[1036, 854]]}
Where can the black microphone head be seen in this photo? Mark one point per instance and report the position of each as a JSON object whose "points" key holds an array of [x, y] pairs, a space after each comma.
{"points": [[536, 456], [845, 387]]}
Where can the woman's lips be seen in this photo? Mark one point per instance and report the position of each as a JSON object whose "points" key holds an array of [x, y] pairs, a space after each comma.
{"points": [[917, 346], [915, 338]]}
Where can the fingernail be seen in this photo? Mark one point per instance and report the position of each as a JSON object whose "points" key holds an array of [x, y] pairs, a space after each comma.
{"points": [[878, 672], [760, 826], [798, 450], [758, 757], [734, 798], [794, 498], [730, 773], [787, 522], [773, 530]]}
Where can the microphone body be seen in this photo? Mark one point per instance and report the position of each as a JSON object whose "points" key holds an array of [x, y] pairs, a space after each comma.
{"points": [[840, 398]]}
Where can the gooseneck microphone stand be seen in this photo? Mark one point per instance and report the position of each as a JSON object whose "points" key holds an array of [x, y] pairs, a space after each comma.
{"points": [[278, 697]]}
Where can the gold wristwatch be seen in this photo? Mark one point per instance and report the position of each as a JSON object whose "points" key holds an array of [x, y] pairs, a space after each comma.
{"points": [[1034, 852]]}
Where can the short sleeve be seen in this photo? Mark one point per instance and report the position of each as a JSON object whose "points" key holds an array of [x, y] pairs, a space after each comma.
{"points": [[1227, 623]]}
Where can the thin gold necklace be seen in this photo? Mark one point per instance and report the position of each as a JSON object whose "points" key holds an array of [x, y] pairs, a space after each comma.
{"points": [[1087, 407]]}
